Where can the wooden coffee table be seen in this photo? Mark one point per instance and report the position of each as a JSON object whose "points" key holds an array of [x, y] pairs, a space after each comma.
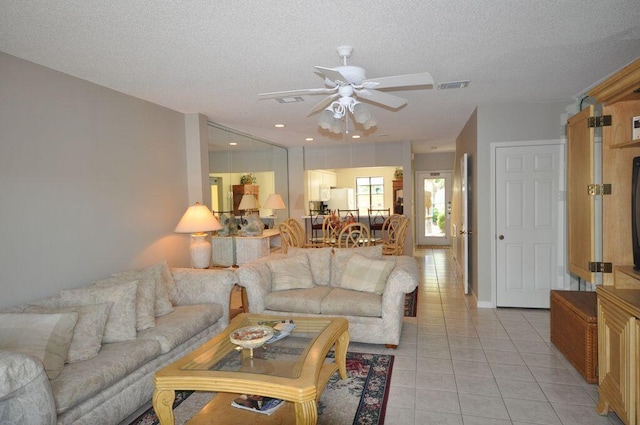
{"points": [[294, 369]]}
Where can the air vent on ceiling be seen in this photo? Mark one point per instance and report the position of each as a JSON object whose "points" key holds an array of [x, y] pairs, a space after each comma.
{"points": [[453, 85]]}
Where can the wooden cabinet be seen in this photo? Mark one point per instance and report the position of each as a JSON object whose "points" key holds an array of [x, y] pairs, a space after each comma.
{"points": [[242, 189], [618, 350], [599, 241], [398, 197]]}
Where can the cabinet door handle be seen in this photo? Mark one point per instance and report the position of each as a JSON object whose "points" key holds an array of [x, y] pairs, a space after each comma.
{"points": [[501, 237]]}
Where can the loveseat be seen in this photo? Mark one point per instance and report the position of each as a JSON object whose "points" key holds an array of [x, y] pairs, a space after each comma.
{"points": [[94, 350], [359, 284]]}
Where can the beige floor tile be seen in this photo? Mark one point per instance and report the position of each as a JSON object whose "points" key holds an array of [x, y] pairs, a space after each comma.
{"points": [[437, 401], [537, 412], [483, 405], [477, 385]]}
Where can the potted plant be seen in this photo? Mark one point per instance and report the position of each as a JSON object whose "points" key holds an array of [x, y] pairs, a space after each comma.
{"points": [[248, 179], [398, 174]]}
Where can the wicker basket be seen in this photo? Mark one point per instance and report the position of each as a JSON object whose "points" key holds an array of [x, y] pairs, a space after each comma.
{"points": [[574, 330]]}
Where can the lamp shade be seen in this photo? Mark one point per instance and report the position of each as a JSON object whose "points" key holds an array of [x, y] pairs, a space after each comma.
{"points": [[275, 202], [197, 218], [248, 202]]}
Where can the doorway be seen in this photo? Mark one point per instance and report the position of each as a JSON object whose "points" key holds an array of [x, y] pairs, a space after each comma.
{"points": [[529, 223], [433, 207]]}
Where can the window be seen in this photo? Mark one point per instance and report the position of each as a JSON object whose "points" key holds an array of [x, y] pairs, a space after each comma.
{"points": [[369, 193]]}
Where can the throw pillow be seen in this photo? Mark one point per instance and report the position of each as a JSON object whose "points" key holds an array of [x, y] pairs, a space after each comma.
{"points": [[164, 285], [366, 275], [45, 336], [87, 335], [342, 255], [319, 262], [145, 296], [291, 273], [121, 324]]}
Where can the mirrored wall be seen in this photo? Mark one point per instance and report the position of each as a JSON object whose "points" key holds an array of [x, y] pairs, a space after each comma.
{"points": [[233, 155]]}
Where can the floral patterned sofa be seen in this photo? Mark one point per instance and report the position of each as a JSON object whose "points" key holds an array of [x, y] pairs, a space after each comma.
{"points": [[88, 355], [357, 283]]}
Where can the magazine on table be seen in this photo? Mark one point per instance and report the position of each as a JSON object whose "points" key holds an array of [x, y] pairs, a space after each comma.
{"points": [[257, 403], [282, 329]]}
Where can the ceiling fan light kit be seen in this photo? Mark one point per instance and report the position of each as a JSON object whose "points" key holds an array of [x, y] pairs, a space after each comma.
{"points": [[346, 83]]}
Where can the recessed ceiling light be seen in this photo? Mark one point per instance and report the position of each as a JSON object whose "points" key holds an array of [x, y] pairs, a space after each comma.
{"points": [[355, 136], [233, 144], [289, 99], [279, 126], [453, 85], [309, 139]]}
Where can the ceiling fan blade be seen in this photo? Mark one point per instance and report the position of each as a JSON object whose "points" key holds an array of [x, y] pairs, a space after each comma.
{"points": [[295, 93], [323, 104], [333, 75], [407, 80], [386, 99]]}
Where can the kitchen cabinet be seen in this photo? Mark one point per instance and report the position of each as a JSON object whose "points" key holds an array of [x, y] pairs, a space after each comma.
{"points": [[318, 183]]}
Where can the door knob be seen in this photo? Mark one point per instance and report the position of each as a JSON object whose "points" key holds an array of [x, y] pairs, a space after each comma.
{"points": [[463, 232], [501, 237]]}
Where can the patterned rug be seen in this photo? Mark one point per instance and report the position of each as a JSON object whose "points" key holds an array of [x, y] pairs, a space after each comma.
{"points": [[411, 303], [360, 399]]}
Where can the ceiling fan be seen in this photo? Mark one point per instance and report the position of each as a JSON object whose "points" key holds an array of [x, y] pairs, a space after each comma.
{"points": [[346, 85]]}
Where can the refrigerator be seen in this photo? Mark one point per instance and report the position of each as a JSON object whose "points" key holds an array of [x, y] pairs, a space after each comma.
{"points": [[341, 199]]}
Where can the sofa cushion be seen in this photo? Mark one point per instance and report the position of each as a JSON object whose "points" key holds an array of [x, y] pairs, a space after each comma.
{"points": [[345, 302], [319, 262], [291, 273], [83, 380], [156, 273], [341, 257], [178, 326], [145, 296], [121, 324], [87, 335], [45, 336], [366, 275], [167, 281], [297, 300]]}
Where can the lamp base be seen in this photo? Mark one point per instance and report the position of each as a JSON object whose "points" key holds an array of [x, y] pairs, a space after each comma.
{"points": [[200, 250]]}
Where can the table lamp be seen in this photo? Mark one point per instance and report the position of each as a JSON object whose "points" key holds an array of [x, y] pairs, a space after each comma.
{"points": [[274, 202], [198, 220], [253, 226]]}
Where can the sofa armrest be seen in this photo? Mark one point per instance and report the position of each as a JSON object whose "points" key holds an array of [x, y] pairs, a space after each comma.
{"points": [[25, 392], [202, 286], [256, 279], [402, 280]]}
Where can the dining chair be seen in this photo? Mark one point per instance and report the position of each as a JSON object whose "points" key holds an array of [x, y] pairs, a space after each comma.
{"points": [[377, 218], [288, 237], [354, 235], [330, 231], [301, 235], [394, 230], [349, 215], [317, 218]]}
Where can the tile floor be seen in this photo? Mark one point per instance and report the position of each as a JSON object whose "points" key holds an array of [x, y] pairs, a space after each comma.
{"points": [[458, 364]]}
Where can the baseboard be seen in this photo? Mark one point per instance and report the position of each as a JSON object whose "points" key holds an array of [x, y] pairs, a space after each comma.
{"points": [[485, 304]]}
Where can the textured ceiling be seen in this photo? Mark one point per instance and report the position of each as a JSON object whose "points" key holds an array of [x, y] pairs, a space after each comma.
{"points": [[215, 56]]}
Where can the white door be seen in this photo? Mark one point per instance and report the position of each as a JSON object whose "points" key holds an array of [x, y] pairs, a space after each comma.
{"points": [[433, 208], [529, 184], [464, 228]]}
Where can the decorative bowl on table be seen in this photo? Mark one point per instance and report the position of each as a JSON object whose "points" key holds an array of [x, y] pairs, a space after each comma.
{"points": [[251, 336]]}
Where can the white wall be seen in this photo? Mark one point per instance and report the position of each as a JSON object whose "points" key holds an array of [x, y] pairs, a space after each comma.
{"points": [[434, 161], [92, 182], [505, 123]]}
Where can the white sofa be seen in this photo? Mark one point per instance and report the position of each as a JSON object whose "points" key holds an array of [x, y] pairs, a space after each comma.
{"points": [[335, 282], [115, 383]]}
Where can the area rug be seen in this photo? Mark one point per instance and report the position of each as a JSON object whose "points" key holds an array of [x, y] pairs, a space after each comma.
{"points": [[360, 399], [411, 304]]}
